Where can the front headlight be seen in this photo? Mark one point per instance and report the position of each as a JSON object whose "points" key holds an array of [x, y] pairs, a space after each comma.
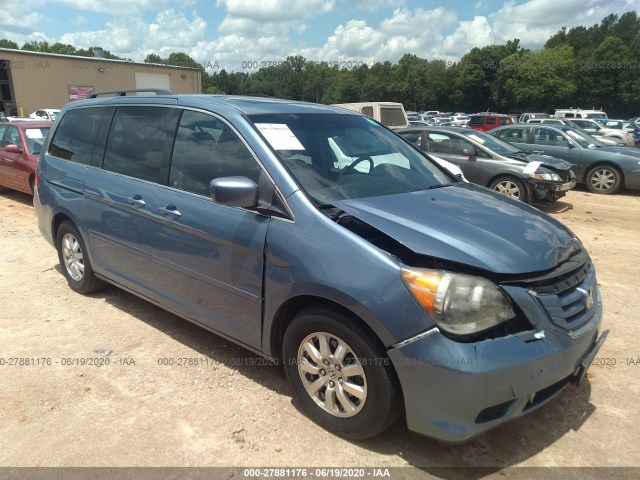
{"points": [[553, 177], [459, 304]]}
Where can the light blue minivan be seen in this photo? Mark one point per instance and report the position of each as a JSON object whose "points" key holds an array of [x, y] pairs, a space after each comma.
{"points": [[384, 284]]}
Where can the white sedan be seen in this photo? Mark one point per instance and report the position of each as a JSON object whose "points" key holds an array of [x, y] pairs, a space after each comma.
{"points": [[45, 114]]}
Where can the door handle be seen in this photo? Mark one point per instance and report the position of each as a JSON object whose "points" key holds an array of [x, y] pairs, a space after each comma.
{"points": [[136, 201], [170, 211]]}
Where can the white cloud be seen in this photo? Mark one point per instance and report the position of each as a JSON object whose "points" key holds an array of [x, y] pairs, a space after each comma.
{"points": [[406, 31], [169, 32], [534, 21], [114, 7], [275, 10], [469, 34], [372, 5], [19, 17]]}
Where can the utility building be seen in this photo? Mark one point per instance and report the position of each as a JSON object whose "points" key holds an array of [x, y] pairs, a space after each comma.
{"points": [[34, 80]]}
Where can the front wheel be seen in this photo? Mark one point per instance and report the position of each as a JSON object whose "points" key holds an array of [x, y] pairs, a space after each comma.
{"points": [[341, 374], [74, 260], [604, 179], [511, 187]]}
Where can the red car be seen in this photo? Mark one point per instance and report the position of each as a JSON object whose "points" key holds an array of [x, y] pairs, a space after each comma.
{"points": [[488, 121], [20, 146]]}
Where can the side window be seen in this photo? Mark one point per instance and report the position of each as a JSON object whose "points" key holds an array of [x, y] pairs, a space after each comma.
{"points": [[446, 143], [544, 136], [12, 137], [368, 111], [412, 137], [490, 121], [512, 134], [74, 138], [139, 142], [3, 128], [505, 121], [206, 148]]}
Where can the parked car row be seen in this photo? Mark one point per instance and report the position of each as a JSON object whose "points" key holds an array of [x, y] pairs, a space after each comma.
{"points": [[496, 164], [603, 169]]}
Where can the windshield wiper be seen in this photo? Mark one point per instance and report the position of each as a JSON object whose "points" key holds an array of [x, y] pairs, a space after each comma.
{"points": [[432, 187]]}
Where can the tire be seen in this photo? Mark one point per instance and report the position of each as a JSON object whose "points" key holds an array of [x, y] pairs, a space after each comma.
{"points": [[511, 187], [603, 179], [74, 260], [358, 406]]}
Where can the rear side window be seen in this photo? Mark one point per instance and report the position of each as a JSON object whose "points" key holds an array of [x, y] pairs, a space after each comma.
{"points": [[206, 148], [368, 111], [392, 116], [139, 142], [75, 136], [490, 121], [518, 135], [505, 121], [476, 121]]}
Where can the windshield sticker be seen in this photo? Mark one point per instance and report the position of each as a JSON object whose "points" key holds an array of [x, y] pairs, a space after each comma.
{"points": [[280, 136], [34, 133], [531, 167], [481, 141]]}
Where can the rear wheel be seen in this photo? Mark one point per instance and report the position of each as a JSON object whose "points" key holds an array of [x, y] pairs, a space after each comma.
{"points": [[604, 179], [341, 374], [74, 260], [511, 187]]}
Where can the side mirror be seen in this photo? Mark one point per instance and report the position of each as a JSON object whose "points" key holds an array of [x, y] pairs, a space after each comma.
{"points": [[467, 152], [234, 191], [11, 148]]}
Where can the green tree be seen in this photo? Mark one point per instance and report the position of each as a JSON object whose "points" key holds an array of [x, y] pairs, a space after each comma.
{"points": [[153, 58], [536, 80], [4, 43]]}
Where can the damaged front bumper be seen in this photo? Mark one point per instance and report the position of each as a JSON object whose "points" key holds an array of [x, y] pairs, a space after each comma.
{"points": [[454, 391], [551, 190]]}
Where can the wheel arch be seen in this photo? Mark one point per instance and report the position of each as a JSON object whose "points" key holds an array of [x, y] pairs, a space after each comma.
{"points": [[295, 305], [605, 163], [524, 183]]}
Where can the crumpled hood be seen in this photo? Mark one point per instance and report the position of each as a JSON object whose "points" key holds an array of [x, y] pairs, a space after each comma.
{"points": [[547, 161], [468, 224]]}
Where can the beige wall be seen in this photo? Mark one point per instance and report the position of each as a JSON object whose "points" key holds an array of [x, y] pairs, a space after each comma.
{"points": [[42, 81]]}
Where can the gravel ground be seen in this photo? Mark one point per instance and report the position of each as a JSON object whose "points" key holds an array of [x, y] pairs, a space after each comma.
{"points": [[223, 406]]}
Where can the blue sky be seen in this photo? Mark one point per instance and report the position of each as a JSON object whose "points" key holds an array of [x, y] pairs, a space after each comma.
{"points": [[238, 34]]}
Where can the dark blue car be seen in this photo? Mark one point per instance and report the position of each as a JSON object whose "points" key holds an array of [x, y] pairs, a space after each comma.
{"points": [[319, 239]]}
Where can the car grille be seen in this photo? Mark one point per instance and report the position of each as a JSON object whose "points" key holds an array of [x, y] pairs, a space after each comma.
{"points": [[572, 301], [569, 293]]}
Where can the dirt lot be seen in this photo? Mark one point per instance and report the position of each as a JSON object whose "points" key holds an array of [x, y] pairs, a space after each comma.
{"points": [[232, 410]]}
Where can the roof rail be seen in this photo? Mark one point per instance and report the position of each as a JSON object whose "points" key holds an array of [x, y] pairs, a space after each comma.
{"points": [[123, 93]]}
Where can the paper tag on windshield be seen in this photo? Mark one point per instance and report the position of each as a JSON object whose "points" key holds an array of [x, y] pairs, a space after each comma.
{"points": [[280, 136], [477, 139], [33, 133], [531, 167]]}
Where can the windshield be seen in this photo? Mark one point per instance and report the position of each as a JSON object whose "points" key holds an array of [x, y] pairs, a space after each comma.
{"points": [[35, 139], [583, 138], [493, 143], [340, 157]]}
